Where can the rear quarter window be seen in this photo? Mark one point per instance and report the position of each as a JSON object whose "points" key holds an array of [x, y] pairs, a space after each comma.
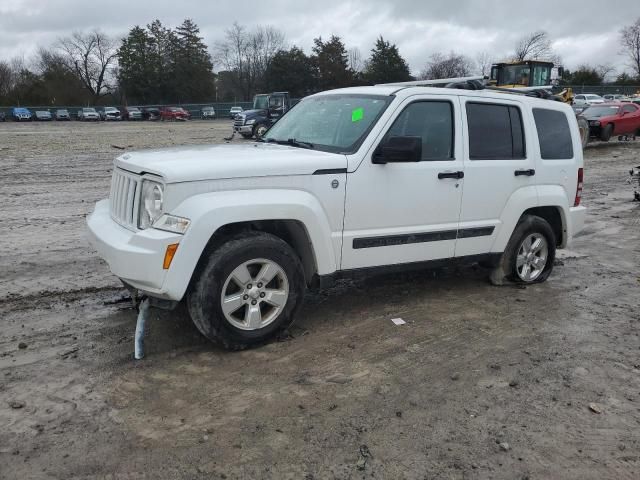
{"points": [[554, 134]]}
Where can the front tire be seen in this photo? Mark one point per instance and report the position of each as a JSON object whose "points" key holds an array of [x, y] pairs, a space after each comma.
{"points": [[606, 133], [529, 255], [247, 291], [259, 130], [583, 127]]}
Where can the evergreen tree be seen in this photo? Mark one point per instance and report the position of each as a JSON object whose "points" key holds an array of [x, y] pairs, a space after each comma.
{"points": [[331, 62], [386, 65], [291, 70]]}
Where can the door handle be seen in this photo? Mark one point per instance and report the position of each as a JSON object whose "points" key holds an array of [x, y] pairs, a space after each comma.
{"points": [[528, 172], [458, 175]]}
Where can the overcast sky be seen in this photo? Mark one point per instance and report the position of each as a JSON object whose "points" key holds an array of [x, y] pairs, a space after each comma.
{"points": [[584, 31]]}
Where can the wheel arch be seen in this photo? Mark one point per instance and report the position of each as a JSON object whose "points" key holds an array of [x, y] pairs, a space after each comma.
{"points": [[295, 216], [554, 217]]}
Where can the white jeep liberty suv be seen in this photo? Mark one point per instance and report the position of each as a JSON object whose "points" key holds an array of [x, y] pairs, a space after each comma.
{"points": [[348, 180]]}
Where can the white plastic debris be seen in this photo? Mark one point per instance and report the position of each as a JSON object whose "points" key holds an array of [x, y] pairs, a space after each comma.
{"points": [[398, 321]]}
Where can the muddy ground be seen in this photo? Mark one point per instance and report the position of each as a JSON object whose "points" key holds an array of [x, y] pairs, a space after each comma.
{"points": [[482, 382]]}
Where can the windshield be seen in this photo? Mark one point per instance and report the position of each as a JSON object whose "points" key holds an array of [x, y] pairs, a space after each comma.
{"points": [[593, 97], [601, 111], [109, 109], [88, 110], [207, 109], [261, 102], [333, 123], [516, 75]]}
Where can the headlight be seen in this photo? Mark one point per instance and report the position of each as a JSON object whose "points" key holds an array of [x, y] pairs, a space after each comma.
{"points": [[250, 122], [595, 123], [150, 203], [171, 223]]}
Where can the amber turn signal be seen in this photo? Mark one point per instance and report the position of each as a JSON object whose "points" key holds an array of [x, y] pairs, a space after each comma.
{"points": [[169, 254]]}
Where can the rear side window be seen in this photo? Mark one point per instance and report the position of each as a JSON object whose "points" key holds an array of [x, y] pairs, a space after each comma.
{"points": [[554, 134], [495, 132], [630, 108]]}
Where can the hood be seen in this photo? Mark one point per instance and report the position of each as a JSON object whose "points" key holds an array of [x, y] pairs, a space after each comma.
{"points": [[254, 113], [208, 162]]}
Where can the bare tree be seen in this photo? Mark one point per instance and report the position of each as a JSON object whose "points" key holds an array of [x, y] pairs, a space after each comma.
{"points": [[605, 70], [355, 60], [6, 78], [90, 56], [630, 40], [441, 66], [533, 46], [248, 53], [484, 62]]}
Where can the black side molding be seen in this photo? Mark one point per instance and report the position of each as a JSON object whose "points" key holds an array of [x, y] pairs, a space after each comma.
{"points": [[330, 171], [393, 240]]}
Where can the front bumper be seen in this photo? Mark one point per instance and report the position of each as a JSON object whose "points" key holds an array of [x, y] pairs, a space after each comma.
{"points": [[134, 257], [243, 129]]}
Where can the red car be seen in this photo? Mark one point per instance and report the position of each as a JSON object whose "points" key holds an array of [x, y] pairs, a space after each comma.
{"points": [[174, 113], [611, 119]]}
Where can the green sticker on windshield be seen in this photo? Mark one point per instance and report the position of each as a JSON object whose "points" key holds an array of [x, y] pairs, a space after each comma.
{"points": [[357, 114]]}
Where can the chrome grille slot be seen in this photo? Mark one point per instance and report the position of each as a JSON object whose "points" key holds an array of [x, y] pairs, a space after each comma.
{"points": [[239, 120], [124, 197]]}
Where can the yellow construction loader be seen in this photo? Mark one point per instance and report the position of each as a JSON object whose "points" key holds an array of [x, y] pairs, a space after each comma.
{"points": [[536, 75]]}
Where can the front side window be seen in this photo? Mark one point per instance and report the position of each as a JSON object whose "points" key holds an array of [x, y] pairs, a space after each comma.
{"points": [[495, 132], [432, 121], [335, 123], [554, 134]]}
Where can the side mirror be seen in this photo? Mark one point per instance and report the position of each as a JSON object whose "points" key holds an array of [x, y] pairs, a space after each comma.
{"points": [[398, 149]]}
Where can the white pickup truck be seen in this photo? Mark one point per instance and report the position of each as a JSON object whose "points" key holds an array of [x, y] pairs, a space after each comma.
{"points": [[356, 179]]}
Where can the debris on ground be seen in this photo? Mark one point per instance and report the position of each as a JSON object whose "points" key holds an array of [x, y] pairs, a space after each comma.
{"points": [[16, 404], [364, 455], [398, 321], [22, 345], [504, 446], [595, 408]]}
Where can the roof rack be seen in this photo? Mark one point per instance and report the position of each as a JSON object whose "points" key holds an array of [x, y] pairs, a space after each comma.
{"points": [[477, 83]]}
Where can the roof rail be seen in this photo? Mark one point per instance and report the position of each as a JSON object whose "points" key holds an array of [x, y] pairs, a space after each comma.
{"points": [[477, 83], [426, 83]]}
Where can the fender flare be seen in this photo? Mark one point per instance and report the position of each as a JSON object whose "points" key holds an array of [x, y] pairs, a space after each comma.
{"points": [[522, 200], [208, 212]]}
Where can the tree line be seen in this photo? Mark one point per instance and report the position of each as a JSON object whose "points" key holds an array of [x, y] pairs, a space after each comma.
{"points": [[157, 64]]}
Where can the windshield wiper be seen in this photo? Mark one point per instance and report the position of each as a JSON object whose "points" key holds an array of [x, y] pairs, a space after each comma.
{"points": [[291, 141]]}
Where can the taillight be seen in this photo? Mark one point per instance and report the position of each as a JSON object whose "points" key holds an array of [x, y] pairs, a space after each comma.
{"points": [[579, 187]]}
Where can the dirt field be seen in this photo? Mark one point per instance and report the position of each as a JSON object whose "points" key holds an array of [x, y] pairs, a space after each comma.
{"points": [[482, 382]]}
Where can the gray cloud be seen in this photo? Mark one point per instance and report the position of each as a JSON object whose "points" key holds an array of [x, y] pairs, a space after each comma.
{"points": [[582, 30]]}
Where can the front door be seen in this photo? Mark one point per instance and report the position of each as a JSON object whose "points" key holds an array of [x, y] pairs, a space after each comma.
{"points": [[407, 212]]}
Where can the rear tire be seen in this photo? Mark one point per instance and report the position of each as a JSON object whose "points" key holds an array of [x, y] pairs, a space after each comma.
{"points": [[235, 302], [606, 133], [529, 255]]}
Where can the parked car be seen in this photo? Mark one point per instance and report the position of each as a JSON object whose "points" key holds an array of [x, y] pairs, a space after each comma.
{"points": [[151, 113], [88, 114], [62, 114], [3, 117], [109, 113], [586, 99], [208, 113], [233, 111], [174, 113], [43, 115], [20, 114], [614, 97], [131, 113], [611, 119], [354, 180]]}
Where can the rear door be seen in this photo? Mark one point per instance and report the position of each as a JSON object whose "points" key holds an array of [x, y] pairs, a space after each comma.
{"points": [[498, 162]]}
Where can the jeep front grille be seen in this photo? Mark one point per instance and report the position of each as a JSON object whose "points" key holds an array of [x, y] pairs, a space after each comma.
{"points": [[239, 120], [123, 199]]}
